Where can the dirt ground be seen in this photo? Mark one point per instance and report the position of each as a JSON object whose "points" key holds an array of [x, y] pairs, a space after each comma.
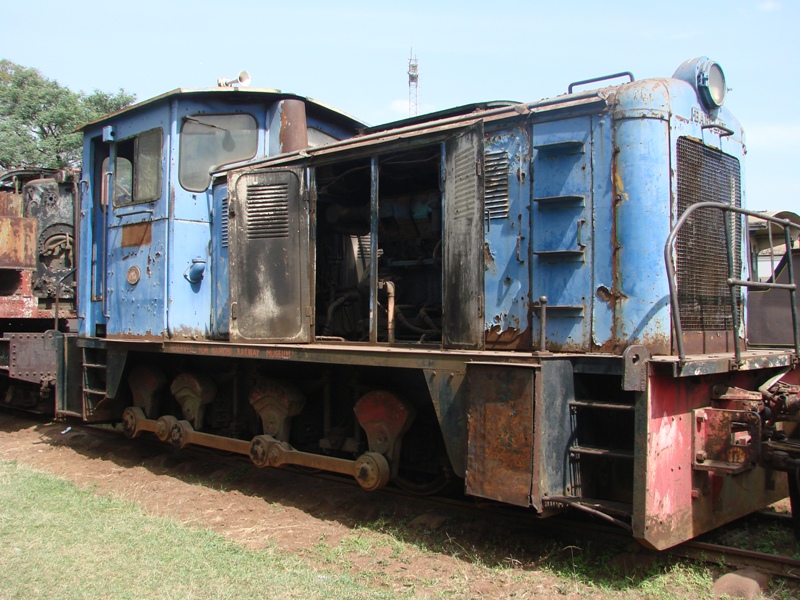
{"points": [[315, 519], [269, 508]]}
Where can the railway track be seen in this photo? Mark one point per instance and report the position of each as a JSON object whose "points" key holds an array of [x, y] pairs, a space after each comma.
{"points": [[570, 527]]}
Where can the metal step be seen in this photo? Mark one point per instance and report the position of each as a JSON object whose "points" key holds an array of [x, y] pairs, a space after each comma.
{"points": [[600, 405], [606, 452]]}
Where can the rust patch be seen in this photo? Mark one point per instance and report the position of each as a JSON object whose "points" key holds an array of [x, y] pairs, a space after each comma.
{"points": [[17, 300], [294, 133], [137, 235], [707, 342], [509, 339], [499, 456], [10, 204], [605, 294], [488, 258], [18, 242], [726, 441]]}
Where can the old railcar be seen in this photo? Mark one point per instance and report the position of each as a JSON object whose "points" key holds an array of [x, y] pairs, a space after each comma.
{"points": [[37, 283]]}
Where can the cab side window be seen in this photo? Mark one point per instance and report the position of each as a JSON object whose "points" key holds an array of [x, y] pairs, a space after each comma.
{"points": [[209, 142], [138, 169]]}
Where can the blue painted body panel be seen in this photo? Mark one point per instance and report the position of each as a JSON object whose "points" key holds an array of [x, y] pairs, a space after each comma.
{"points": [[601, 198], [562, 205], [650, 116], [603, 299], [507, 268]]}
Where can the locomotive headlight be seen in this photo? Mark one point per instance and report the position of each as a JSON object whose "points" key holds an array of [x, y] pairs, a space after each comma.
{"points": [[711, 84], [707, 78]]}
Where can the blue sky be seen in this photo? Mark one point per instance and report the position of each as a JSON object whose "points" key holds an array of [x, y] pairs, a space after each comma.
{"points": [[354, 55]]}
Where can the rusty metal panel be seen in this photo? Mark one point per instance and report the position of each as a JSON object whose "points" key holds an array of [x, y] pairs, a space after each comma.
{"points": [[501, 422], [31, 357], [18, 243], [726, 441], [136, 235], [17, 300], [10, 204], [463, 240], [674, 499]]}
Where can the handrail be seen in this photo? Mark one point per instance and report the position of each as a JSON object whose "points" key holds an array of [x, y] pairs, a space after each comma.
{"points": [[732, 281], [574, 84], [108, 180], [58, 295]]}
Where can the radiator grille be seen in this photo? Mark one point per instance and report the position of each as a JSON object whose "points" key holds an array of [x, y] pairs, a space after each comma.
{"points": [[267, 211], [706, 175], [496, 184]]}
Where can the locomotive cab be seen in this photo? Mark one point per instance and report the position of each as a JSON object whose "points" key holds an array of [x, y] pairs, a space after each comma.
{"points": [[150, 223], [147, 207]]}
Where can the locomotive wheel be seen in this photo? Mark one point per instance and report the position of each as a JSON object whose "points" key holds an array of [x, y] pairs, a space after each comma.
{"points": [[372, 471], [259, 450], [131, 415], [179, 434], [164, 425], [436, 485]]}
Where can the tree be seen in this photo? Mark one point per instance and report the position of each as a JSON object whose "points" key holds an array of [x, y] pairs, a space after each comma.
{"points": [[38, 118]]}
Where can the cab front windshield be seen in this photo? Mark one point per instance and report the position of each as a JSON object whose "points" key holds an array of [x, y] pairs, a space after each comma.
{"points": [[212, 141]]}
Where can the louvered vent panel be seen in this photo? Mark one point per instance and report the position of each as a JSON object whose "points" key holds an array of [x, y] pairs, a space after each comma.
{"points": [[465, 189], [224, 221], [706, 175], [364, 246], [496, 184], [267, 211]]}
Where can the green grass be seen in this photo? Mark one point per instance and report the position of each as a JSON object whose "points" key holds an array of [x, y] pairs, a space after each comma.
{"points": [[59, 541]]}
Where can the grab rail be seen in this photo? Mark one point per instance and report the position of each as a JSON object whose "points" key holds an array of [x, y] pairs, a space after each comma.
{"points": [[733, 282]]}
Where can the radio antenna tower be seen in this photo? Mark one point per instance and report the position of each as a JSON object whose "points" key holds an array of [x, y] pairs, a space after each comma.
{"points": [[413, 82]]}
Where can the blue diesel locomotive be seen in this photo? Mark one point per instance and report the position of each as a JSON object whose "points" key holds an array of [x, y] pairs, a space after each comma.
{"points": [[545, 301]]}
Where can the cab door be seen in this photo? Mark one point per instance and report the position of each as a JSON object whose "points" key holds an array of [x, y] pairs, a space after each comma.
{"points": [[136, 236], [269, 257], [463, 240], [95, 195]]}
